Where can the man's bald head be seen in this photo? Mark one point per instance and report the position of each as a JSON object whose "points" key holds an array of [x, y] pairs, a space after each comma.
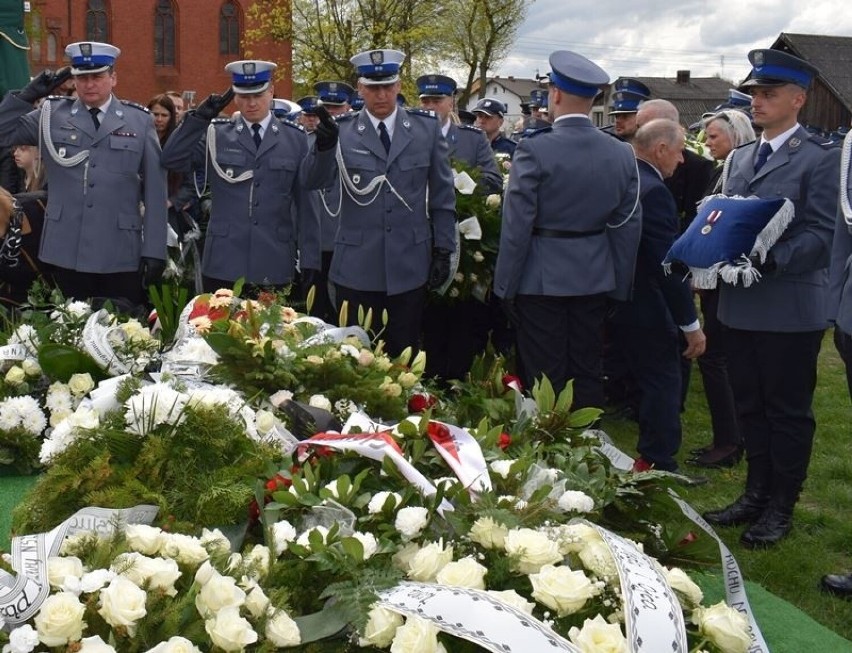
{"points": [[656, 110]]}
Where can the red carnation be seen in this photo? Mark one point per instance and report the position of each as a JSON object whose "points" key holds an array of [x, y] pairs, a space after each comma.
{"points": [[420, 402], [504, 441], [278, 482]]}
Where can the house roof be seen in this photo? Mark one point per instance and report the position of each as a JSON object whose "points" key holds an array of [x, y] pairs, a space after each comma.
{"points": [[832, 55], [517, 85], [693, 96]]}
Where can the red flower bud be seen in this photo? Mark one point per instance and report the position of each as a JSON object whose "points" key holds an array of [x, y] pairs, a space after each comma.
{"points": [[420, 402], [504, 441], [511, 381]]}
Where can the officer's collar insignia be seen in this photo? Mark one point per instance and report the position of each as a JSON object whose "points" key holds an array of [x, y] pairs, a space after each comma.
{"points": [[274, 129], [406, 124], [119, 113], [239, 127], [361, 127], [377, 57], [795, 142]]}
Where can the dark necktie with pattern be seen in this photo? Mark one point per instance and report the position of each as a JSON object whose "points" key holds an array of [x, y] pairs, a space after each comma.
{"points": [[384, 137], [256, 136], [94, 111], [762, 154]]}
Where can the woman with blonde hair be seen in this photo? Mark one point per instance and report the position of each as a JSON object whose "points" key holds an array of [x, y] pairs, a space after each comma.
{"points": [[27, 158]]}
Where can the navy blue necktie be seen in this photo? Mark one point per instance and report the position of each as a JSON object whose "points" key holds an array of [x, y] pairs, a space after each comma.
{"points": [[384, 137], [95, 111], [256, 136], [762, 154]]}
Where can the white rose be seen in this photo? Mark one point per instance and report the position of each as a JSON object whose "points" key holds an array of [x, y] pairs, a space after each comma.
{"points": [[205, 572], [122, 604], [428, 561], [282, 534], [501, 467], [402, 558], [95, 580], [80, 384], [574, 501], [229, 631], [410, 521], [185, 549], [162, 575], [573, 537], [257, 602], [381, 627], [15, 375], [407, 379], [562, 589], [22, 640], [59, 568], [143, 538], [368, 542], [264, 421], [175, 644], [531, 550], [380, 498], [596, 557], [488, 533], [94, 644], [214, 541], [415, 636], [320, 401], [60, 619], [724, 626], [512, 598], [218, 593], [31, 367], [282, 631], [466, 572], [492, 201], [687, 591], [598, 636]]}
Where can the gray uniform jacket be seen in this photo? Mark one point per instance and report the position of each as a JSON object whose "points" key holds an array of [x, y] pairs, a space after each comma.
{"points": [[470, 145], [255, 223], [578, 181], [329, 208], [94, 220], [840, 302], [794, 296], [386, 246]]}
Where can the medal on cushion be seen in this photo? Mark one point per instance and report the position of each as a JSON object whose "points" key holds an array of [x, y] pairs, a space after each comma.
{"points": [[712, 217]]}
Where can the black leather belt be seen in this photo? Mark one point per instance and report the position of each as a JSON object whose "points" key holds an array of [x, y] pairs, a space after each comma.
{"points": [[559, 233]]}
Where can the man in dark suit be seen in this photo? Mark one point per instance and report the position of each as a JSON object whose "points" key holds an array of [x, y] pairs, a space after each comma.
{"points": [[253, 161], [571, 226], [776, 325], [646, 327], [398, 220], [840, 312]]}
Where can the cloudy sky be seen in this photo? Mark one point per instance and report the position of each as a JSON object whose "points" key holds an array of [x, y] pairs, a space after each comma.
{"points": [[659, 37]]}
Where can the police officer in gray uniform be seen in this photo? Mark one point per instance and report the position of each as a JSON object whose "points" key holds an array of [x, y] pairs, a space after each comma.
{"points": [[252, 161], [397, 220], [776, 325], [571, 229], [106, 219], [467, 143]]}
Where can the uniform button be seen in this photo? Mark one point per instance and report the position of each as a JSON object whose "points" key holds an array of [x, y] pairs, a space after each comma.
{"points": [[387, 229], [91, 184], [90, 205], [254, 223]]}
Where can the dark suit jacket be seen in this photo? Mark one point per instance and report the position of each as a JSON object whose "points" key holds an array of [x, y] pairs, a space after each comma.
{"points": [[659, 300], [688, 185]]}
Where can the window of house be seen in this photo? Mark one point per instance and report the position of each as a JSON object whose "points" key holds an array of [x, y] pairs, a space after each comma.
{"points": [[51, 47], [229, 28], [35, 48], [97, 23], [164, 34]]}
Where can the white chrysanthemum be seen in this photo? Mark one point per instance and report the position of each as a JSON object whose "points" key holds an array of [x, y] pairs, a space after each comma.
{"points": [[27, 336], [152, 406], [575, 501], [78, 310], [58, 398], [368, 541], [380, 498], [195, 350]]}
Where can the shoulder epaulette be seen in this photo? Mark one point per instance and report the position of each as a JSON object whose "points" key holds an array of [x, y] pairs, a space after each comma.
{"points": [[290, 123], [220, 121], [135, 105], [470, 128], [61, 97], [349, 115], [412, 111]]}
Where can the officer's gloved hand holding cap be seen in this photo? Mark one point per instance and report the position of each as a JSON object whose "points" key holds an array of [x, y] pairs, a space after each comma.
{"points": [[214, 104], [43, 84]]}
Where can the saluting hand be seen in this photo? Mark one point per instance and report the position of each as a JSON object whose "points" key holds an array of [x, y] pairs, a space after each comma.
{"points": [[43, 84], [214, 104], [326, 130]]}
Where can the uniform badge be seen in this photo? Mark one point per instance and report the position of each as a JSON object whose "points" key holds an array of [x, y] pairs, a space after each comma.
{"points": [[274, 129], [61, 152], [377, 57], [356, 179], [229, 172], [795, 142], [360, 127], [119, 113], [240, 128], [406, 124]]}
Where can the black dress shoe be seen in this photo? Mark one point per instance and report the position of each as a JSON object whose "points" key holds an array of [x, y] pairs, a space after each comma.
{"points": [[745, 510], [700, 450], [771, 528], [838, 584], [716, 459]]}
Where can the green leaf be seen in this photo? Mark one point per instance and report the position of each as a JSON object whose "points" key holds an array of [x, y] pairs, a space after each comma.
{"points": [[544, 396], [353, 548], [566, 397], [320, 625], [407, 429], [61, 362], [584, 417]]}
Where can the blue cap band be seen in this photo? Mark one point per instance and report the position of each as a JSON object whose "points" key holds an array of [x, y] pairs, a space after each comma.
{"points": [[794, 76], [571, 86]]}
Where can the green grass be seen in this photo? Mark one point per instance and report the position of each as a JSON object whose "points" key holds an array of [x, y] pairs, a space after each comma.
{"points": [[821, 541]]}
